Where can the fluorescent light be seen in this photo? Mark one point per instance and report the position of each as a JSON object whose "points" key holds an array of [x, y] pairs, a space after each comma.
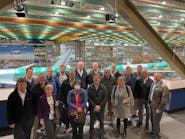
{"points": [[160, 16], [102, 8], [88, 16], [182, 19], [164, 2], [56, 13], [116, 14], [63, 3]]}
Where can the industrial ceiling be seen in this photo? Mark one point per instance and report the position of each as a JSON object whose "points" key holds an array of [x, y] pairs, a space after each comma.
{"points": [[66, 20]]}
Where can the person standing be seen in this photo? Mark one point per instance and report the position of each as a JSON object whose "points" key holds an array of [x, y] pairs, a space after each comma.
{"points": [[108, 81], [122, 99], [77, 102], [29, 78], [138, 74], [97, 97], [36, 92], [94, 71], [62, 74], [48, 111], [158, 98], [20, 110], [114, 73], [81, 75], [141, 96], [50, 79], [66, 86]]}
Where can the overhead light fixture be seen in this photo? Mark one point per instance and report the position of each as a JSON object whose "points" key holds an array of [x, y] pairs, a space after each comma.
{"points": [[160, 16], [158, 24], [56, 13], [102, 8], [182, 19], [20, 8], [164, 2], [110, 18], [116, 14], [63, 3], [88, 16]]}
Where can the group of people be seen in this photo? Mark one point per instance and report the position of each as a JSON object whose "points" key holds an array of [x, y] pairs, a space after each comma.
{"points": [[118, 96]]}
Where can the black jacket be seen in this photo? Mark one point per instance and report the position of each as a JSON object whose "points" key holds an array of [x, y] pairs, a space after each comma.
{"points": [[16, 112], [36, 92], [83, 79], [64, 90], [142, 90], [97, 97], [116, 75]]}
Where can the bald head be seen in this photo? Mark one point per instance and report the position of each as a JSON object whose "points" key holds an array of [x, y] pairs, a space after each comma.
{"points": [[157, 77]]}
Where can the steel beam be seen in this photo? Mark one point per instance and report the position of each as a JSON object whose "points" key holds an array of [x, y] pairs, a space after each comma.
{"points": [[129, 12]]}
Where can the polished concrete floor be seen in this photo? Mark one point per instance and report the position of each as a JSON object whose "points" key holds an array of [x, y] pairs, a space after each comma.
{"points": [[172, 127]]}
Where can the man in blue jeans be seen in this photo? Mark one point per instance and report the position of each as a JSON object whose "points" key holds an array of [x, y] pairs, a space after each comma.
{"points": [[97, 96], [19, 111]]}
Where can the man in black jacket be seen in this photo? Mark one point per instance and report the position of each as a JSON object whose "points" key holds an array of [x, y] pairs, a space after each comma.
{"points": [[66, 86], [141, 95], [19, 111], [97, 96], [37, 92]]}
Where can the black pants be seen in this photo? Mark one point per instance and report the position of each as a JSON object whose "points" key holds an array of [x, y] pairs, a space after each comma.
{"points": [[125, 123], [50, 129], [93, 117], [77, 129], [22, 130]]}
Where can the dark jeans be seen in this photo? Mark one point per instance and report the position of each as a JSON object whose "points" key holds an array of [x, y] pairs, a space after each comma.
{"points": [[77, 129], [50, 129], [156, 118], [93, 117], [140, 104], [22, 130]]}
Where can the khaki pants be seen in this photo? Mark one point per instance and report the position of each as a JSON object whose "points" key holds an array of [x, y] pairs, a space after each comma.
{"points": [[34, 127]]}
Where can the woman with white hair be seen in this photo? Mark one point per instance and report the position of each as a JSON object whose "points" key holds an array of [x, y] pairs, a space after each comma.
{"points": [[47, 112]]}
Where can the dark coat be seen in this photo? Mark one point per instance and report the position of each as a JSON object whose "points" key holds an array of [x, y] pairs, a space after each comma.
{"points": [[31, 85], [91, 75], [131, 81], [57, 76], [83, 79], [44, 109], [36, 92], [97, 97], [109, 83], [56, 85], [16, 112], [142, 90], [116, 75], [64, 89]]}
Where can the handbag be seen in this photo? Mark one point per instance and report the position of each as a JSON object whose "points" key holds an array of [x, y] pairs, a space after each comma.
{"points": [[79, 117]]}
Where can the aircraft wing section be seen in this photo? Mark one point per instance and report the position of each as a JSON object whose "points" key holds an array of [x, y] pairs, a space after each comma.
{"points": [[7, 82]]}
